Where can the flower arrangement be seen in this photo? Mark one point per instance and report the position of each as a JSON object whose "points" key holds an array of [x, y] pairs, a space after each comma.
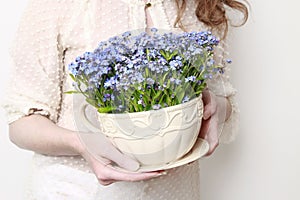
{"points": [[134, 73]]}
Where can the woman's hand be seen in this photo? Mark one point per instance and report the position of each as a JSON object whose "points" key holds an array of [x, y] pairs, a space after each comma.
{"points": [[107, 175], [100, 146], [216, 111], [37, 133]]}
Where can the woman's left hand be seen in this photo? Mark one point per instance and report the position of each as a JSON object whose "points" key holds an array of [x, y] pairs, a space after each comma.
{"points": [[216, 111]]}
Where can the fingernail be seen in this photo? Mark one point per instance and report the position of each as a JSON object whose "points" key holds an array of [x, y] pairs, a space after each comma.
{"points": [[162, 173]]}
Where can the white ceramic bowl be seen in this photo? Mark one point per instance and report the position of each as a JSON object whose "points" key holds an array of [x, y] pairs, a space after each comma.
{"points": [[153, 137]]}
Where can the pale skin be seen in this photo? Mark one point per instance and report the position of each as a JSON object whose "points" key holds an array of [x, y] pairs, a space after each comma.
{"points": [[217, 110], [39, 134]]}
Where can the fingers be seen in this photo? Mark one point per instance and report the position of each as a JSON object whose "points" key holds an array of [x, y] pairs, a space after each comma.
{"points": [[110, 175], [209, 110], [211, 136], [106, 183], [209, 132], [121, 160], [204, 128], [210, 105], [206, 96], [100, 145], [107, 175], [127, 176]]}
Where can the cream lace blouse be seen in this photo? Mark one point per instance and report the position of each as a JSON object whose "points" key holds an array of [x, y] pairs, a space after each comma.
{"points": [[51, 34]]}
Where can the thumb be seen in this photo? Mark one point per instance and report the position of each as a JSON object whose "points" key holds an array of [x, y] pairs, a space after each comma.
{"points": [[209, 110], [101, 146], [123, 160]]}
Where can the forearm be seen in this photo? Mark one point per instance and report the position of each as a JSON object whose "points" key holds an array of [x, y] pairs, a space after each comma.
{"points": [[39, 134]]}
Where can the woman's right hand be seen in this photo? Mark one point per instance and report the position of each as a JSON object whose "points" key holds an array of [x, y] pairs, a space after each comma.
{"points": [[37, 133], [100, 154]]}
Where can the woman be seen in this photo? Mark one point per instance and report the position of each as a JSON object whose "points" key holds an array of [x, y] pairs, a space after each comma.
{"points": [[51, 34]]}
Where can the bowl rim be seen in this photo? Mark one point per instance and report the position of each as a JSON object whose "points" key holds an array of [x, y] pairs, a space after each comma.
{"points": [[196, 100]]}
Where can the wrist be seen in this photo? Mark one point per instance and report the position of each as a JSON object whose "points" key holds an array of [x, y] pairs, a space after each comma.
{"points": [[78, 147], [74, 143]]}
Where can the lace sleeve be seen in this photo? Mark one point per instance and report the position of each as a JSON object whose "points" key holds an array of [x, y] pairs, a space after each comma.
{"points": [[221, 86], [36, 58]]}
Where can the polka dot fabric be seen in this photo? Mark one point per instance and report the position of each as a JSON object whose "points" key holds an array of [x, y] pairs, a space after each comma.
{"points": [[51, 34]]}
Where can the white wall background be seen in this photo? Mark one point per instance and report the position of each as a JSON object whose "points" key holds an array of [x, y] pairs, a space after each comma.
{"points": [[263, 163], [15, 163]]}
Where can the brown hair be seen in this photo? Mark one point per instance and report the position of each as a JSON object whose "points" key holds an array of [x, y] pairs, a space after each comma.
{"points": [[212, 13]]}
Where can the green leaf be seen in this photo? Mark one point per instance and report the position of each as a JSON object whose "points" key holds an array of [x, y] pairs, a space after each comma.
{"points": [[163, 53], [73, 92], [108, 109], [164, 78], [167, 96], [140, 107], [147, 72], [147, 54], [179, 92], [72, 77], [157, 95], [174, 53], [135, 107], [162, 99]]}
